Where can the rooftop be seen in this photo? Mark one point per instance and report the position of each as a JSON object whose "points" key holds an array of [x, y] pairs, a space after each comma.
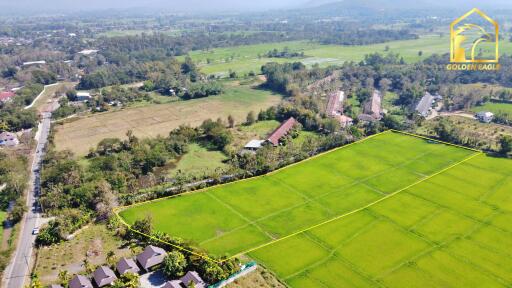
{"points": [[192, 276], [104, 276], [281, 131], [373, 106], [126, 265], [80, 281], [254, 144], [151, 256], [6, 95], [425, 104], [334, 104]]}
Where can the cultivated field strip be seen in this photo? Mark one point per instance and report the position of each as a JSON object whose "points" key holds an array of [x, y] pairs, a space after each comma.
{"points": [[244, 216], [438, 233]]}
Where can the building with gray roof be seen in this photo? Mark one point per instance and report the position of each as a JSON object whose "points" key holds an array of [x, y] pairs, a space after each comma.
{"points": [[80, 281], [193, 276], [127, 265], [104, 276], [424, 106], [151, 256]]}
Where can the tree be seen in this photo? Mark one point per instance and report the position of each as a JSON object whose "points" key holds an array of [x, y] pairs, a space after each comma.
{"points": [[18, 210], [144, 225], [231, 121], [36, 283], [71, 95], [505, 145], [111, 260], [64, 278], [174, 265], [89, 268], [127, 280], [251, 118]]}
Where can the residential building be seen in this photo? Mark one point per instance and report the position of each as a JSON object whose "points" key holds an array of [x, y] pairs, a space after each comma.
{"points": [[335, 104], [34, 63], [104, 276], [193, 277], [8, 139], [373, 107], [88, 52], [254, 145], [83, 96], [151, 256], [6, 96], [282, 131], [424, 106], [80, 281], [345, 121], [485, 116], [127, 265]]}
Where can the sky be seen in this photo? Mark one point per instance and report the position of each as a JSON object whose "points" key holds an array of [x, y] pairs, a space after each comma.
{"points": [[42, 6], [169, 5]]}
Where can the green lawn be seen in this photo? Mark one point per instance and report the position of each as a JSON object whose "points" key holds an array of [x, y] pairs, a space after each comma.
{"points": [[229, 219], [198, 160]]}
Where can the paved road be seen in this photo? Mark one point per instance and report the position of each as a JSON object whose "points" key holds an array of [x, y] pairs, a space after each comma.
{"points": [[19, 269]]}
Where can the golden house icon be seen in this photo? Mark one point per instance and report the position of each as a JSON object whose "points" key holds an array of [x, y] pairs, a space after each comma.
{"points": [[459, 53]]}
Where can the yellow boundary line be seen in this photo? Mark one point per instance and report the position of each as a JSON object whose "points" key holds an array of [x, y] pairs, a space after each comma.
{"points": [[119, 209]]}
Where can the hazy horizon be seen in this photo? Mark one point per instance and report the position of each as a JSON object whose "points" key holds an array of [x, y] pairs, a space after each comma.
{"points": [[213, 6]]}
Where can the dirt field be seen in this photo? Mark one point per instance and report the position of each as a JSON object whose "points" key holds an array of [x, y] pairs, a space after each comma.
{"points": [[84, 133]]}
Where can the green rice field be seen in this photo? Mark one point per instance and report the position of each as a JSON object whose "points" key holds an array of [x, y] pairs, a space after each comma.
{"points": [[452, 230], [232, 218], [390, 211]]}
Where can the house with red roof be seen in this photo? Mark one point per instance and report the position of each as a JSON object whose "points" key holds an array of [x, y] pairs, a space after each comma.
{"points": [[6, 96], [282, 131]]}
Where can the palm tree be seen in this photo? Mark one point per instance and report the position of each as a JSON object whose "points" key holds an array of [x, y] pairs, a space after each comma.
{"points": [[64, 277], [111, 258]]}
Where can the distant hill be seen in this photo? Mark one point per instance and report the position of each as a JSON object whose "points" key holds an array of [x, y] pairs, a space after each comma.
{"points": [[409, 5]]}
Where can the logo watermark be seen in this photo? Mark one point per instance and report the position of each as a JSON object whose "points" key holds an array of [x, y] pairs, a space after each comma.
{"points": [[469, 41]]}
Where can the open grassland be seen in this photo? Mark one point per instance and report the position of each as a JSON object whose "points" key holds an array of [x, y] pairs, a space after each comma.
{"points": [[198, 160], [244, 59], [452, 230], [237, 217], [149, 121]]}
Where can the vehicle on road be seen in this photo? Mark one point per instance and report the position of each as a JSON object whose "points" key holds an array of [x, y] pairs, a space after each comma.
{"points": [[35, 231]]}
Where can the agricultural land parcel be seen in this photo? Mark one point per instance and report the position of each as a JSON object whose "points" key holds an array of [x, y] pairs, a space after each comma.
{"points": [[243, 59], [450, 230], [151, 121]]}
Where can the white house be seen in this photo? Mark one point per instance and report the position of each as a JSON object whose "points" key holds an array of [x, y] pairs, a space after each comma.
{"points": [[83, 96], [254, 145], [485, 116]]}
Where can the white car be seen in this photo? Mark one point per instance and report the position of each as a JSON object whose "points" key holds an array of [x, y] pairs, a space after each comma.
{"points": [[35, 231]]}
